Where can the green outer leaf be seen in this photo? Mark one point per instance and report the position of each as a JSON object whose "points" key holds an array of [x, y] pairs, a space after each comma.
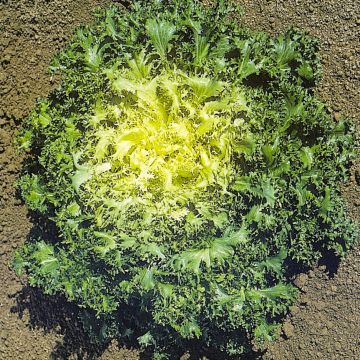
{"points": [[160, 33]]}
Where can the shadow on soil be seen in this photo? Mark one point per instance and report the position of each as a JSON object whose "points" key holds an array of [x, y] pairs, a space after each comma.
{"points": [[55, 314]]}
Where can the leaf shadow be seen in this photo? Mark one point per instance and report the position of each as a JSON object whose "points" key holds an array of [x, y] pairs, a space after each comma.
{"points": [[54, 314]]}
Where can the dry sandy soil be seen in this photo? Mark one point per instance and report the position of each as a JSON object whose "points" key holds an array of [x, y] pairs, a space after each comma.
{"points": [[325, 322]]}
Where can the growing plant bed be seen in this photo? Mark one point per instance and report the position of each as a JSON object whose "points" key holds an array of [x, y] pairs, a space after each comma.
{"points": [[275, 254]]}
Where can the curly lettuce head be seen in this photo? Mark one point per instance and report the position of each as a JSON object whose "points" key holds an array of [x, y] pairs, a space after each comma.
{"points": [[185, 162]]}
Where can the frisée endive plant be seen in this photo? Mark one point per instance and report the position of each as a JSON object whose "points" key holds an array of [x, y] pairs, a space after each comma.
{"points": [[185, 163]]}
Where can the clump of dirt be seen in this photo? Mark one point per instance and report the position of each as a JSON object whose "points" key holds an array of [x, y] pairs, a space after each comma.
{"points": [[322, 325]]}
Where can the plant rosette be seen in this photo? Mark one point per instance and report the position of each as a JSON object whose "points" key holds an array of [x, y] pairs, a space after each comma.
{"points": [[185, 164]]}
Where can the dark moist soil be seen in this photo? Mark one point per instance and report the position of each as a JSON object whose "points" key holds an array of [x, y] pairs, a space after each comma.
{"points": [[325, 322]]}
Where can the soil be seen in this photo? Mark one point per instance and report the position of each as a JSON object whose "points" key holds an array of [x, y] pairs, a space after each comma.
{"points": [[325, 322]]}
